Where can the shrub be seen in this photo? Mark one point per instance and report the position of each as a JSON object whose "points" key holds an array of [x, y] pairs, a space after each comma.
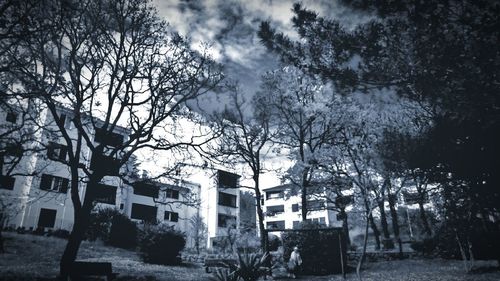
{"points": [[113, 228], [123, 232], [320, 250], [61, 233], [274, 242], [100, 224], [161, 244], [426, 246]]}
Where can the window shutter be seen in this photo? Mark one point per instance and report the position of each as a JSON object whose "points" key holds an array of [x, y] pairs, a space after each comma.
{"points": [[46, 182], [64, 187], [175, 194], [50, 150], [63, 153], [174, 216]]}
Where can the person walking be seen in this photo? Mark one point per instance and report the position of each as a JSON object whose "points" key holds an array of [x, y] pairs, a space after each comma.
{"points": [[295, 262]]}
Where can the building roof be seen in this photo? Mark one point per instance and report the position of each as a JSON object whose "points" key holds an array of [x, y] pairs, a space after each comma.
{"points": [[278, 188]]}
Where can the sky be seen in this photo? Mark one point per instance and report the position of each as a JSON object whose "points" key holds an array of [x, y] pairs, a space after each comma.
{"points": [[230, 28]]}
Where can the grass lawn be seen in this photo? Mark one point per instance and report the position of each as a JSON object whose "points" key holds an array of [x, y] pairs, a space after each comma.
{"points": [[31, 257]]}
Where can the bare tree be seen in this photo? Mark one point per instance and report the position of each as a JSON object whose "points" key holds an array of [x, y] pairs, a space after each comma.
{"points": [[302, 107], [245, 139], [113, 64]]}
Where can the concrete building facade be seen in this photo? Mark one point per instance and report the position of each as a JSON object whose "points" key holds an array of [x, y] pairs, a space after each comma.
{"points": [[36, 195]]}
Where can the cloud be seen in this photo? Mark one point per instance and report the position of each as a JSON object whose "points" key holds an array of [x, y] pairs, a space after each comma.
{"points": [[230, 28]]}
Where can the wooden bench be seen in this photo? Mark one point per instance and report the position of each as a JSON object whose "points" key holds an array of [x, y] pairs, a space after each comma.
{"points": [[81, 268], [219, 262]]}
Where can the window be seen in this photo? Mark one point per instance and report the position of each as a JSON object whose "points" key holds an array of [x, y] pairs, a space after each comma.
{"points": [[344, 200], [107, 164], [53, 183], [275, 225], [66, 121], [11, 117], [57, 152], [315, 205], [47, 218], [226, 199], [13, 149], [274, 210], [108, 138], [296, 224], [104, 193], [320, 221], [226, 220], [143, 212], [274, 195], [262, 201], [227, 180], [295, 207], [145, 189], [171, 216], [7, 182], [172, 193]]}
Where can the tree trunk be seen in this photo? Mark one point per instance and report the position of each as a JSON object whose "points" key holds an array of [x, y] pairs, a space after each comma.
{"points": [[345, 226], [75, 239], [423, 217], [260, 213], [303, 194], [363, 253], [387, 242], [395, 221], [82, 220], [2, 249], [376, 232]]}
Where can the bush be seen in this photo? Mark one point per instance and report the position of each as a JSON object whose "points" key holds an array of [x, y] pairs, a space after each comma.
{"points": [[123, 232], [426, 246], [113, 228], [100, 224], [274, 242], [320, 250], [161, 244], [61, 233], [483, 236]]}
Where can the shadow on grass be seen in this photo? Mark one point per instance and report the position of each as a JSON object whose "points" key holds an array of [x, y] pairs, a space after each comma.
{"points": [[485, 269]]}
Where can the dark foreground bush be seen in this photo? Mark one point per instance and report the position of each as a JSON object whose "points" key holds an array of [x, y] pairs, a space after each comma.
{"points": [[100, 224], [123, 232], [425, 247], [482, 237], [161, 244], [319, 249], [113, 228]]}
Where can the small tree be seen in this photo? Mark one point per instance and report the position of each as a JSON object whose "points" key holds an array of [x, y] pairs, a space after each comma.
{"points": [[198, 232]]}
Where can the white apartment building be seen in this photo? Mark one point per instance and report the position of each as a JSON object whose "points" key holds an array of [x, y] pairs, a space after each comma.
{"points": [[43, 200], [283, 210]]}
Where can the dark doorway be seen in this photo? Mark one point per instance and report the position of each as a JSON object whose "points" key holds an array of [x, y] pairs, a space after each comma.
{"points": [[47, 218]]}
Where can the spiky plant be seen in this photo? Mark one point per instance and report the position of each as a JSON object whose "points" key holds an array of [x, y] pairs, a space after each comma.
{"points": [[224, 274], [249, 267]]}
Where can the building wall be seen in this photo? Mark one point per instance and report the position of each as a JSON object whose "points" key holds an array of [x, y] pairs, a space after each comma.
{"points": [[30, 199], [291, 213]]}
